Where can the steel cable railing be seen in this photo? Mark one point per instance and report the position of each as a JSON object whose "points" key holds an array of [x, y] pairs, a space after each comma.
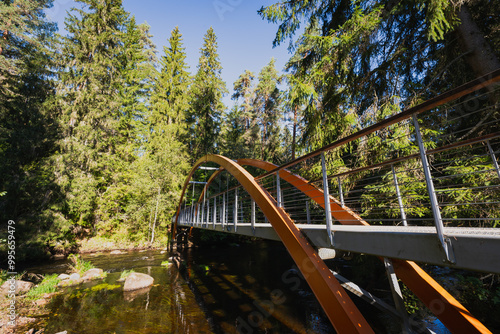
{"points": [[437, 169]]}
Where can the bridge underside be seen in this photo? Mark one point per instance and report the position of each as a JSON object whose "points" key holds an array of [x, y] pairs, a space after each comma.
{"points": [[474, 248]]}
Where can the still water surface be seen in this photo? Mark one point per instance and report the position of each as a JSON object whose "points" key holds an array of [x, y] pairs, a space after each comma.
{"points": [[249, 288]]}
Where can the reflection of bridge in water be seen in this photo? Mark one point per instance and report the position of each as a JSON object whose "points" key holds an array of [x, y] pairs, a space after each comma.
{"points": [[422, 185]]}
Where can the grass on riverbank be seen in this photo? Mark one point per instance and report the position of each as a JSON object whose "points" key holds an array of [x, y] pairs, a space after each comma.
{"points": [[47, 285], [100, 243], [79, 265]]}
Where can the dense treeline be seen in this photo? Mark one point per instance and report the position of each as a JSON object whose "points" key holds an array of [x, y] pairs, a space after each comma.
{"points": [[98, 129]]}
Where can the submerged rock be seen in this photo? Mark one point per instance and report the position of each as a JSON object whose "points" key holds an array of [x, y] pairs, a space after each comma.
{"points": [[116, 252], [137, 281], [70, 282], [131, 295]]}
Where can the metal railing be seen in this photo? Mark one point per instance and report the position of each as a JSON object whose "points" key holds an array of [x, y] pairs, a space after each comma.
{"points": [[434, 164]]}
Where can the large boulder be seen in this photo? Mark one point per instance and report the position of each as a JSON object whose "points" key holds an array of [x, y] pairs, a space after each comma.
{"points": [[137, 281], [21, 286]]}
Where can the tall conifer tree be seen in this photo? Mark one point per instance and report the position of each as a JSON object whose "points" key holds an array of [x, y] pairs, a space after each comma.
{"points": [[101, 95], [269, 109], [206, 105], [28, 128]]}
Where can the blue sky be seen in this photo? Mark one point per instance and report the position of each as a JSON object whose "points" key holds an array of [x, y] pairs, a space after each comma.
{"points": [[244, 39]]}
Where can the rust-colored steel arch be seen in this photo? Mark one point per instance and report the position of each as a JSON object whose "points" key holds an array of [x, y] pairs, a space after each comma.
{"points": [[338, 306], [453, 314]]}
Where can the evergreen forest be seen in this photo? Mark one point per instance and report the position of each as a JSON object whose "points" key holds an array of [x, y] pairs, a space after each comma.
{"points": [[99, 129]]}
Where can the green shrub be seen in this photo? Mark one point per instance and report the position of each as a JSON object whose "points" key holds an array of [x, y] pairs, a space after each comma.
{"points": [[125, 273], [79, 265]]}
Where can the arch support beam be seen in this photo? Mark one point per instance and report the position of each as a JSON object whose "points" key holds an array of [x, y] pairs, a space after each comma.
{"points": [[338, 306]]}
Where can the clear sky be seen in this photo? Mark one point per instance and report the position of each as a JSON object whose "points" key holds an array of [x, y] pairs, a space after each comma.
{"points": [[244, 39]]}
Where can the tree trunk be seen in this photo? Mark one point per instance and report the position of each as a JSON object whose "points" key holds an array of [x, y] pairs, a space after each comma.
{"points": [[294, 135], [156, 215], [480, 55]]}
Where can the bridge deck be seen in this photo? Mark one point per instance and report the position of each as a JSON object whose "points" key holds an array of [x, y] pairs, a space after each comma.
{"points": [[473, 248]]}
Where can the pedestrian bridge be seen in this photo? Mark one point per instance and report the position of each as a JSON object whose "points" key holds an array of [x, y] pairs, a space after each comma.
{"points": [[422, 185]]}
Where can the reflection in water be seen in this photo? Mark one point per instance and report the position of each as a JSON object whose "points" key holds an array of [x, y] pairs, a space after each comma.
{"points": [[102, 307], [251, 288]]}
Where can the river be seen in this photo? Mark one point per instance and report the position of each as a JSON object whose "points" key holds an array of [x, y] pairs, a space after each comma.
{"points": [[237, 288]]}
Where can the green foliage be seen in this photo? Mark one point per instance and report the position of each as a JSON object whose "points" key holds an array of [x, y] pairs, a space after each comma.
{"points": [[205, 116], [48, 285], [126, 273], [412, 303], [481, 296], [79, 265]]}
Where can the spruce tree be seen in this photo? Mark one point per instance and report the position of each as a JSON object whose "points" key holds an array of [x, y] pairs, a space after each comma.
{"points": [[269, 109], [161, 167], [241, 129], [28, 128], [206, 104], [100, 93], [170, 102]]}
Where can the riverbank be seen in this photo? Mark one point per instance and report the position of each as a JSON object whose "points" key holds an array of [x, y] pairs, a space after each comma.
{"points": [[101, 244]]}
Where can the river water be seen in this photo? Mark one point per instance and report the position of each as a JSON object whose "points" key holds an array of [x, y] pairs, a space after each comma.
{"points": [[247, 288]]}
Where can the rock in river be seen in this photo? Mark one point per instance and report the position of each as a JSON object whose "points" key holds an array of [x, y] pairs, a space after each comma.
{"points": [[136, 281], [20, 286], [93, 274]]}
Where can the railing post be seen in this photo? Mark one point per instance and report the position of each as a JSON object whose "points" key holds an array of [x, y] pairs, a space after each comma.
{"points": [[326, 193], [202, 222], [445, 242], [208, 213], [278, 190], [341, 193], [494, 158], [223, 210], [252, 219], [308, 212], [235, 209], [400, 200], [198, 214], [215, 211], [192, 218]]}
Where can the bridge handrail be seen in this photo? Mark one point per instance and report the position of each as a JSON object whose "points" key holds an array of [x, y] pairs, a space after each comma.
{"points": [[437, 101]]}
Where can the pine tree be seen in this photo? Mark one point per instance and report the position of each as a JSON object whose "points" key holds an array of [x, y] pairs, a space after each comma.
{"points": [[206, 104], [241, 129], [269, 109]]}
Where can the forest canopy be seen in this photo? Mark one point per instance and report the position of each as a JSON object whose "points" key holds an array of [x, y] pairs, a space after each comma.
{"points": [[98, 128]]}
